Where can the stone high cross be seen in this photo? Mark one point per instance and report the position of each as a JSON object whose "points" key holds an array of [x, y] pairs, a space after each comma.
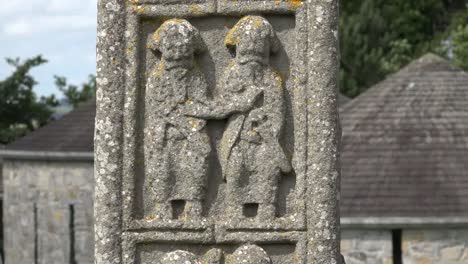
{"points": [[217, 132]]}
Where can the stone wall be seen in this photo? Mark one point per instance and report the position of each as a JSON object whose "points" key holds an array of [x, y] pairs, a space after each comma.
{"points": [[41, 199], [448, 246], [48, 212], [367, 246]]}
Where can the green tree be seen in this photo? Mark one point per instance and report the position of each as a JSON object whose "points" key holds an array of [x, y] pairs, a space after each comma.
{"points": [[378, 37], [73, 93], [20, 108], [457, 38]]}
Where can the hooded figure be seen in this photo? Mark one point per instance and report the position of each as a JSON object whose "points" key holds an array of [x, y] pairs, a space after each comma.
{"points": [[176, 146], [251, 156], [179, 257], [250, 254]]}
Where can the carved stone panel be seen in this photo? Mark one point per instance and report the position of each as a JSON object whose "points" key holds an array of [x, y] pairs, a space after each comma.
{"points": [[215, 157], [213, 148], [219, 254]]}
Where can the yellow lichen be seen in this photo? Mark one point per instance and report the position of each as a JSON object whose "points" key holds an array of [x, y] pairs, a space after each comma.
{"points": [[158, 69], [295, 259], [72, 194], [256, 21], [232, 37], [388, 261], [293, 4], [195, 9], [278, 79], [228, 259], [138, 8], [58, 214], [231, 64], [194, 123], [156, 36], [422, 260], [253, 132]]}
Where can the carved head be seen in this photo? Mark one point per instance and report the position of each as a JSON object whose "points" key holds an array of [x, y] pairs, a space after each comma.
{"points": [[178, 41], [250, 254], [179, 257], [253, 39]]}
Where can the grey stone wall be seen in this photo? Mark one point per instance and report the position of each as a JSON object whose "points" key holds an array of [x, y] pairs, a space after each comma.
{"points": [[48, 212], [448, 246], [366, 246]]}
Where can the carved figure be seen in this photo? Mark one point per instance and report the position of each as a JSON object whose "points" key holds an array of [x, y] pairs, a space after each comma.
{"points": [[213, 256], [250, 254], [177, 146], [250, 153], [179, 257]]}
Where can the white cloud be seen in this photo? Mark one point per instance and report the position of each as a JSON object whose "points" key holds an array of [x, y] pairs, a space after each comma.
{"points": [[9, 6], [24, 17], [17, 28], [63, 6], [63, 31], [49, 24]]}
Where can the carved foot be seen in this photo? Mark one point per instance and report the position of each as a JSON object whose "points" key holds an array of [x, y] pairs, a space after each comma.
{"points": [[234, 212], [266, 211], [193, 209], [161, 211]]}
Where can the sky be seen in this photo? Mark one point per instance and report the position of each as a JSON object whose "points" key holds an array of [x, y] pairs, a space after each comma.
{"points": [[63, 31]]}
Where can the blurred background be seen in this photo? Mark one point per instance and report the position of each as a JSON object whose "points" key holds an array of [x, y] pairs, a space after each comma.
{"points": [[403, 105]]}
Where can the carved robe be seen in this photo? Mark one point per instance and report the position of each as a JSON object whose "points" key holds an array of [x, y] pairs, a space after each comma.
{"points": [[179, 146], [250, 143]]}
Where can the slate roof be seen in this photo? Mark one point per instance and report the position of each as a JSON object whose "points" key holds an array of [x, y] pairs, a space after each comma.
{"points": [[405, 144], [73, 132], [342, 99]]}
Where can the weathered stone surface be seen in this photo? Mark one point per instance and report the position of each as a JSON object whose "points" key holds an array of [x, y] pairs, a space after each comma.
{"points": [[48, 212], [435, 246], [367, 246], [217, 132]]}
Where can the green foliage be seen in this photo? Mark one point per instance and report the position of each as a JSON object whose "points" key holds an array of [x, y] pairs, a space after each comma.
{"points": [[73, 93], [457, 34], [20, 109], [460, 46], [378, 37]]}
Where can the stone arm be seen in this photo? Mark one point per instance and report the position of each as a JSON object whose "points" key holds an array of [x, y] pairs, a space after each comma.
{"points": [[276, 112], [228, 105], [273, 109]]}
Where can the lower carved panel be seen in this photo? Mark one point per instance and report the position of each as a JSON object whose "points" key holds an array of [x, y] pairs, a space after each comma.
{"points": [[169, 253]]}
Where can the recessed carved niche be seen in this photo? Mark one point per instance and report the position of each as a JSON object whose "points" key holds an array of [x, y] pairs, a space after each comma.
{"points": [[216, 135]]}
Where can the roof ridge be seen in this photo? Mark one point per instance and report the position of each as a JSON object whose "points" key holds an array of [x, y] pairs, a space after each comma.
{"points": [[429, 62], [68, 133]]}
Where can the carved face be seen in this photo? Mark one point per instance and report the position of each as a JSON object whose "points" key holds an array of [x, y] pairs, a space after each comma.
{"points": [[178, 41], [179, 257], [252, 47], [253, 38], [177, 50], [250, 254]]}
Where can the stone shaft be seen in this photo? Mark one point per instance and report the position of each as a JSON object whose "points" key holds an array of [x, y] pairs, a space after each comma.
{"points": [[217, 132]]}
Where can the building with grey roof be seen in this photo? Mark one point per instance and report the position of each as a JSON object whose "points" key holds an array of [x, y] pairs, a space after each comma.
{"points": [[404, 178], [48, 190], [404, 162]]}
